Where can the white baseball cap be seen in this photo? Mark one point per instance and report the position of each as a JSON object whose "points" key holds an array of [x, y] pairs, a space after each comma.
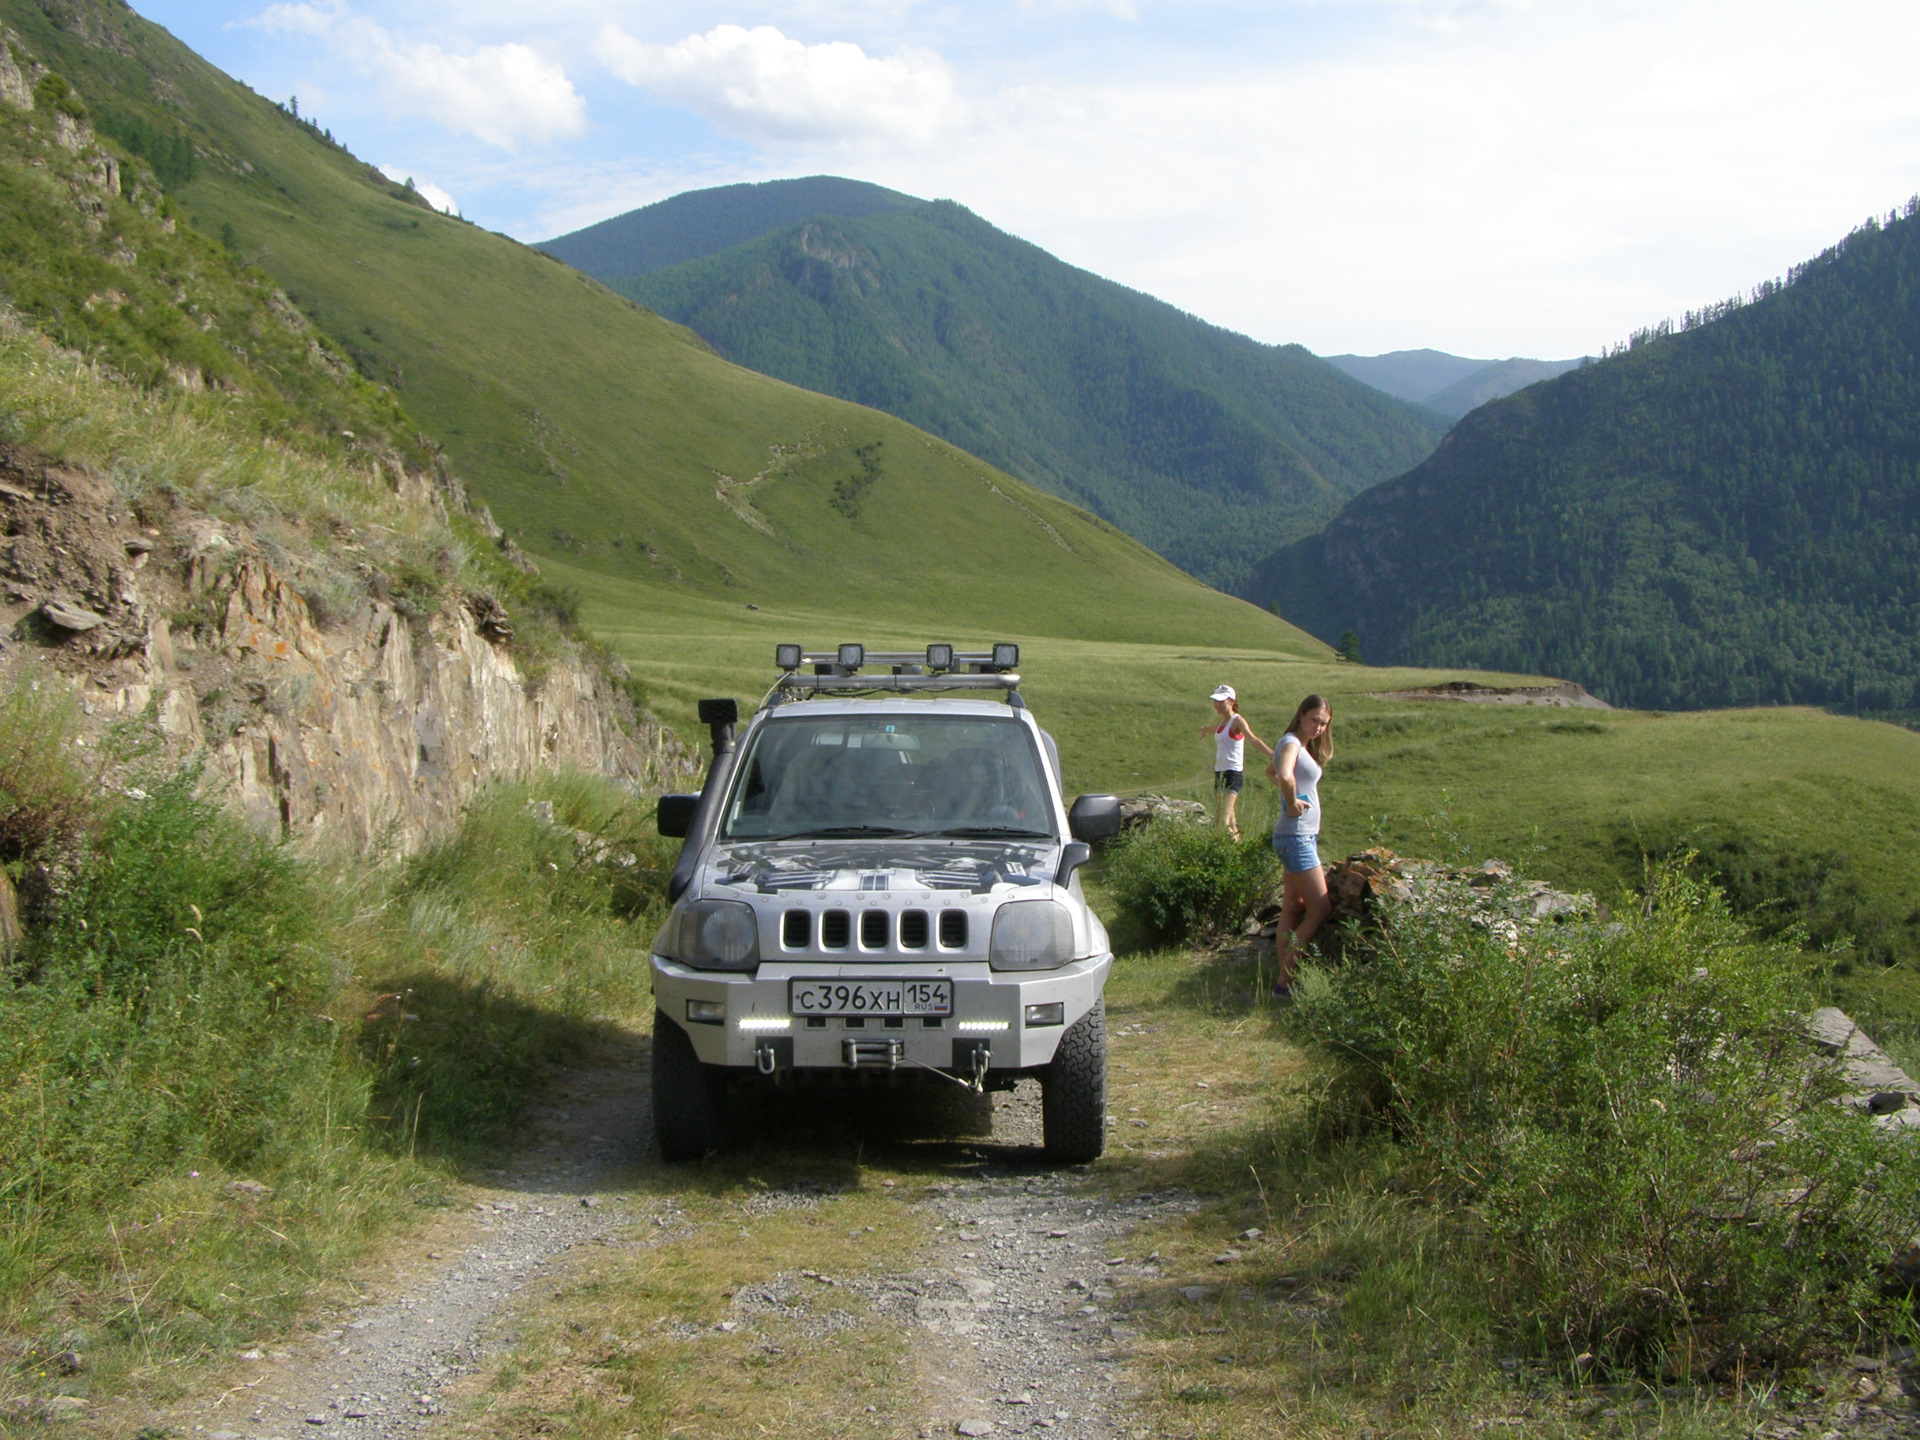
{"points": [[1224, 692]]}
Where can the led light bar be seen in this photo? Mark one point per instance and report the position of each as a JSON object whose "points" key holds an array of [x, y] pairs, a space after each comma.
{"points": [[994, 1025], [766, 1022]]}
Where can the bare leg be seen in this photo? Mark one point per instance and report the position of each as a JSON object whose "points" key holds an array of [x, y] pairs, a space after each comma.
{"points": [[1227, 815], [1305, 906]]}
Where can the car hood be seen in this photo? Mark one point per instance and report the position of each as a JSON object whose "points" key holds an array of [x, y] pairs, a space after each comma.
{"points": [[882, 865]]}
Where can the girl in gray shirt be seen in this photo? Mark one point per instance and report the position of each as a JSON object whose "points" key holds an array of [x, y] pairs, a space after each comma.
{"points": [[1297, 766]]}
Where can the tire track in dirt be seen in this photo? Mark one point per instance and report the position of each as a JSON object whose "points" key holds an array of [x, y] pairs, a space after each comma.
{"points": [[1014, 1308], [380, 1368]]}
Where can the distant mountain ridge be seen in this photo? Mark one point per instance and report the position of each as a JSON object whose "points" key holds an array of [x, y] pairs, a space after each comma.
{"points": [[1450, 385], [705, 222], [1208, 446], [1724, 515]]}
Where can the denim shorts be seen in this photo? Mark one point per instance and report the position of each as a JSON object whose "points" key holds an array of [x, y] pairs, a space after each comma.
{"points": [[1298, 853], [1232, 781]]}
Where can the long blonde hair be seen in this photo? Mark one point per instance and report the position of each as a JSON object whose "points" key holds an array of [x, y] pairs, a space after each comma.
{"points": [[1321, 746]]}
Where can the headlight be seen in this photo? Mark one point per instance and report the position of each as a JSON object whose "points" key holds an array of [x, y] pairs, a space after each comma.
{"points": [[1031, 935], [711, 935]]}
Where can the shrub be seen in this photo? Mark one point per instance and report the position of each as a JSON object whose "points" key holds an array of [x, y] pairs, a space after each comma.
{"points": [[1634, 1124], [48, 789], [168, 1011], [1178, 881]]}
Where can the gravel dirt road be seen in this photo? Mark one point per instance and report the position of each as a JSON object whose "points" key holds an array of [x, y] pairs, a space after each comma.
{"points": [[1012, 1305]]}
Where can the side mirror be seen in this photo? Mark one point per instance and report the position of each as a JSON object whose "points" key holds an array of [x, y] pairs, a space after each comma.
{"points": [[675, 815], [1094, 817], [1073, 855]]}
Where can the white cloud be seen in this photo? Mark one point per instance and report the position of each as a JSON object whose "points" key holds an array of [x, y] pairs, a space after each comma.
{"points": [[768, 86], [500, 94], [431, 193], [1541, 181]]}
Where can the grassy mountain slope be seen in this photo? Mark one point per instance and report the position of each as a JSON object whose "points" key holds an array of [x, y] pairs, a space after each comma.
{"points": [[1725, 515], [705, 222], [1210, 447], [595, 428]]}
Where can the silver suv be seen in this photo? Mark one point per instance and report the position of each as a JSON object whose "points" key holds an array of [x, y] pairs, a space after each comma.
{"points": [[878, 883]]}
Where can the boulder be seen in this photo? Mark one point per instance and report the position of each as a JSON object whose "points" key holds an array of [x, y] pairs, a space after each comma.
{"points": [[1138, 810]]}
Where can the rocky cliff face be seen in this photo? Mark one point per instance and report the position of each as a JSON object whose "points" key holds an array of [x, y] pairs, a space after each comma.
{"points": [[370, 731]]}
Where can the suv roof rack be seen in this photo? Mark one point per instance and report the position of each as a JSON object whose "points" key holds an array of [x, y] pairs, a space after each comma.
{"points": [[937, 668]]}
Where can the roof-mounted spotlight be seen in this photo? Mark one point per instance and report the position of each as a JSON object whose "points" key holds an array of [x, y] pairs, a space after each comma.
{"points": [[787, 657], [1006, 657], [939, 657], [852, 657]]}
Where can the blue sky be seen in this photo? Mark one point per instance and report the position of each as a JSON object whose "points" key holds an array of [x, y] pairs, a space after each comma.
{"points": [[1488, 177]]}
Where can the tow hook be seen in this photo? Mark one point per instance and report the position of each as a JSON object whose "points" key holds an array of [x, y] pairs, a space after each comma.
{"points": [[978, 1081]]}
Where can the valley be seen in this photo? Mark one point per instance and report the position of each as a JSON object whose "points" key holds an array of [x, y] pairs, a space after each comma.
{"points": [[366, 570], [1201, 443]]}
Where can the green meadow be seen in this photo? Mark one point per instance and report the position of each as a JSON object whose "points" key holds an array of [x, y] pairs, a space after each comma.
{"points": [[1824, 808]]}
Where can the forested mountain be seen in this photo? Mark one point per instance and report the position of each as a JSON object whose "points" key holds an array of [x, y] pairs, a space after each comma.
{"points": [[613, 442], [705, 222], [1723, 514], [1210, 447], [1449, 385], [1408, 374], [1491, 381]]}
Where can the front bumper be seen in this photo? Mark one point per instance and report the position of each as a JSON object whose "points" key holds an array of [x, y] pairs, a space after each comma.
{"points": [[989, 1012]]}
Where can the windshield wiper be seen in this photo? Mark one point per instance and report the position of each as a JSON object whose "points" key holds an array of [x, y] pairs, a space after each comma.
{"points": [[845, 832], [982, 832]]}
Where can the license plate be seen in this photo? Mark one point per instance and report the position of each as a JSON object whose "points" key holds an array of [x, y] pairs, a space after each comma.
{"points": [[870, 997]]}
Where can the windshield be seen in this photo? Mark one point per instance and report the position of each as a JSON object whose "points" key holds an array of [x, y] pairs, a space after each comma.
{"points": [[852, 775]]}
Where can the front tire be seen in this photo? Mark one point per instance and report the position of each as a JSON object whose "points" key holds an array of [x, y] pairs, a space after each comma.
{"points": [[689, 1098], [1073, 1091]]}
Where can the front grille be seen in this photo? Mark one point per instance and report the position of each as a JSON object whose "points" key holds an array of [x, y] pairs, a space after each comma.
{"points": [[796, 928], [836, 929], [913, 930], [953, 929], [873, 930]]}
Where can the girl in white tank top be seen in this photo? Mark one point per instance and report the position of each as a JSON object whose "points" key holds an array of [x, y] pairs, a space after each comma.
{"points": [[1230, 733]]}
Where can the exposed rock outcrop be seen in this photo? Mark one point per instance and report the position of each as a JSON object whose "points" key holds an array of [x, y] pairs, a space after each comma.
{"points": [[371, 732], [16, 85], [1487, 895]]}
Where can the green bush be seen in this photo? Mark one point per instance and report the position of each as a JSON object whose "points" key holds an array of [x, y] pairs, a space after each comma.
{"points": [[1632, 1126], [1177, 881], [48, 791], [167, 1013], [176, 881]]}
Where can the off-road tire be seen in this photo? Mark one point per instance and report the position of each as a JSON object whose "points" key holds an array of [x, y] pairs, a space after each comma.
{"points": [[1073, 1091], [689, 1098]]}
